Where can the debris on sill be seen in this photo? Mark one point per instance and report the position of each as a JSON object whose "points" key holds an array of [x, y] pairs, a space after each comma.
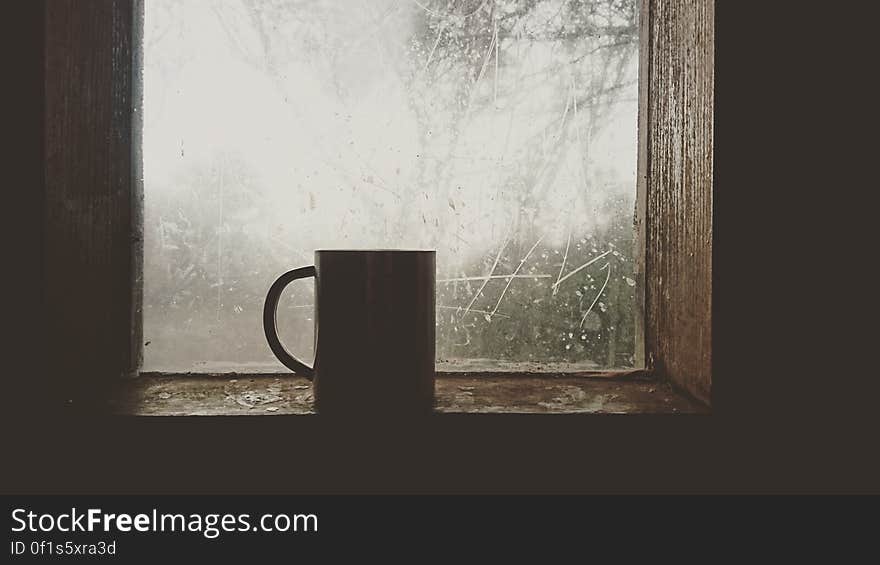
{"points": [[218, 395]]}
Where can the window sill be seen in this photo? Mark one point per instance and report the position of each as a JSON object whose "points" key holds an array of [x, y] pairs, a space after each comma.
{"points": [[265, 395]]}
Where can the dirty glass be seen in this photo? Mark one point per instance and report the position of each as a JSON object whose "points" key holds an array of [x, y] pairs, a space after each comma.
{"points": [[502, 133]]}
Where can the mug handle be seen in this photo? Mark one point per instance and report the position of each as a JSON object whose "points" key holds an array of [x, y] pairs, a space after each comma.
{"points": [[270, 327]]}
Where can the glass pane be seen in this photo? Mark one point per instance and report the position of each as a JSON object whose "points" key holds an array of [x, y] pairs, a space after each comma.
{"points": [[502, 133]]}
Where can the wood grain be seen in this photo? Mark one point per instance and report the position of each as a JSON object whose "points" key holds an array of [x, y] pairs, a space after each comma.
{"points": [[253, 395], [89, 223], [678, 214], [93, 192]]}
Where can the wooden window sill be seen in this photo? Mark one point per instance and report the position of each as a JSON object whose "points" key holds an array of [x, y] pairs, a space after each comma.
{"points": [[264, 395]]}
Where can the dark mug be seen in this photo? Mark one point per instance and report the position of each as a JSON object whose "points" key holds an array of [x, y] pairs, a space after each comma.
{"points": [[374, 330]]}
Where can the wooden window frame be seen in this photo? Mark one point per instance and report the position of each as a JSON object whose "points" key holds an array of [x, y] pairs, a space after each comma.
{"points": [[94, 193]]}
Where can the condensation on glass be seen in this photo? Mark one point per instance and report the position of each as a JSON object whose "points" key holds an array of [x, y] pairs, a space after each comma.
{"points": [[501, 133]]}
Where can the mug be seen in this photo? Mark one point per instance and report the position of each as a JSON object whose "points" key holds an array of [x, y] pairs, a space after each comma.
{"points": [[374, 330]]}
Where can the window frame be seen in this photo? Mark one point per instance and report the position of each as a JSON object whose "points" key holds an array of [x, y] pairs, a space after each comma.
{"points": [[94, 189]]}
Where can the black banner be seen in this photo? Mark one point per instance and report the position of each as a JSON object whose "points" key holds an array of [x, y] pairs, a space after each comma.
{"points": [[258, 529], [129, 529]]}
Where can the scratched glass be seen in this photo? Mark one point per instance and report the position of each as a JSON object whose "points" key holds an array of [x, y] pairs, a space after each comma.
{"points": [[502, 133]]}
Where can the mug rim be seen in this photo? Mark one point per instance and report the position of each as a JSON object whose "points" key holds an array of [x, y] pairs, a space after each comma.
{"points": [[375, 250]]}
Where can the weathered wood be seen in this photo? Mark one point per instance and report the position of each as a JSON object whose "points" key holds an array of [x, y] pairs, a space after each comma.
{"points": [[89, 192], [451, 367], [92, 245], [249, 395], [505, 372], [678, 209]]}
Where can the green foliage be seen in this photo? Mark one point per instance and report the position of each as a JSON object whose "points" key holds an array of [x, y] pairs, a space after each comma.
{"points": [[526, 321]]}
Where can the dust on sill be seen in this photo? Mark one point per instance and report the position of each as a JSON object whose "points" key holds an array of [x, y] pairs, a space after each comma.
{"points": [[252, 395]]}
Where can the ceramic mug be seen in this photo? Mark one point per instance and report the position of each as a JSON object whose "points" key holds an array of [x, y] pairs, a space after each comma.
{"points": [[374, 330]]}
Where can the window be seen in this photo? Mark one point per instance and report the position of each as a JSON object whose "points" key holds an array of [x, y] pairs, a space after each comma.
{"points": [[94, 220], [503, 133]]}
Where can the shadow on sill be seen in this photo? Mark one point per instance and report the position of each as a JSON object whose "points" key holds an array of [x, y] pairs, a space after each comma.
{"points": [[262, 395]]}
